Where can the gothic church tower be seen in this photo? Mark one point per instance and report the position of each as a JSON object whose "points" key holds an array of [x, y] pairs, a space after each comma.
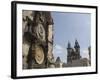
{"points": [[77, 50], [73, 53]]}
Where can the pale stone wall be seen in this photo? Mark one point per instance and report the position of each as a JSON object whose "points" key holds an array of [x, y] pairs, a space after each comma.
{"points": [[24, 14], [26, 45], [50, 39]]}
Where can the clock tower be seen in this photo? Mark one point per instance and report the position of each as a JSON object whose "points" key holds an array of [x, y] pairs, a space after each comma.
{"points": [[41, 40]]}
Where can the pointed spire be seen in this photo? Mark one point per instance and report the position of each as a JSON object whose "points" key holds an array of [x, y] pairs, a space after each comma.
{"points": [[89, 49], [76, 44], [69, 44]]}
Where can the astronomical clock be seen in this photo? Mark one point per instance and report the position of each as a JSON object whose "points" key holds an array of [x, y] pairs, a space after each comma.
{"points": [[41, 42]]}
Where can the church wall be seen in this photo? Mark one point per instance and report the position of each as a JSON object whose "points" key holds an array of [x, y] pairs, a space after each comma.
{"points": [[78, 63]]}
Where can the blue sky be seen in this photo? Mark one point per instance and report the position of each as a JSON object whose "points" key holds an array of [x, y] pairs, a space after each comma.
{"points": [[68, 27]]}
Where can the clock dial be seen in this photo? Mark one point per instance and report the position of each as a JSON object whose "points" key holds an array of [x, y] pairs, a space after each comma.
{"points": [[40, 32], [39, 55]]}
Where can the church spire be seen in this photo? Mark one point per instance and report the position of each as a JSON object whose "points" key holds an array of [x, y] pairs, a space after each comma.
{"points": [[89, 50], [76, 44], [69, 45]]}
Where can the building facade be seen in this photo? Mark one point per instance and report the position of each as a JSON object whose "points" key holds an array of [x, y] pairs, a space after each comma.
{"points": [[74, 58], [73, 53], [37, 39]]}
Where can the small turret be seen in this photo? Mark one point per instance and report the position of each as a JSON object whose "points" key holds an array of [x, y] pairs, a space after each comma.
{"points": [[69, 45], [69, 48], [58, 63], [77, 46], [69, 51], [89, 50], [58, 60], [77, 49]]}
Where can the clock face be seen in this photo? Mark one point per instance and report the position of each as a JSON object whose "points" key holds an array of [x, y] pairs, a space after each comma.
{"points": [[39, 55], [40, 32]]}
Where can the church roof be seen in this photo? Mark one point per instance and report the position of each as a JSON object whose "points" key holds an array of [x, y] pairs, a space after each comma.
{"points": [[58, 59]]}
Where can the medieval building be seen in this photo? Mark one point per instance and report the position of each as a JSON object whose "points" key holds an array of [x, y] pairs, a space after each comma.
{"points": [[89, 50], [73, 56], [37, 45], [37, 38], [73, 53], [58, 63]]}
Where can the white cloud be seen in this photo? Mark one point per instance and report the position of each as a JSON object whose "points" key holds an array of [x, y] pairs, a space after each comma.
{"points": [[58, 47], [60, 51], [84, 53]]}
